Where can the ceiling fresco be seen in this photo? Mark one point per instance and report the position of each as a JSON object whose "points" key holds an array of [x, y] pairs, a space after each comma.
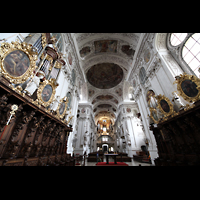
{"points": [[106, 59], [119, 92], [105, 46], [105, 75], [105, 98]]}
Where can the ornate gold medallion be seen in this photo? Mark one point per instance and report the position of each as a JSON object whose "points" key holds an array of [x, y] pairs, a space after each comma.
{"points": [[17, 61], [62, 107], [46, 92], [188, 86], [164, 105]]}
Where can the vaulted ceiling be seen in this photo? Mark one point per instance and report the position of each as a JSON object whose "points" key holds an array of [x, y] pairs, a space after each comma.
{"points": [[106, 59]]}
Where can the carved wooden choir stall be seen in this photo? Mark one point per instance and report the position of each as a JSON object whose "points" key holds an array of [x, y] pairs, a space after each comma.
{"points": [[31, 134], [178, 134], [178, 139]]}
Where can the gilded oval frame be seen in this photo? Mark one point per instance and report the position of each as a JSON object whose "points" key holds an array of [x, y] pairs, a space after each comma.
{"points": [[183, 77], [58, 108], [170, 105], [53, 85], [8, 48]]}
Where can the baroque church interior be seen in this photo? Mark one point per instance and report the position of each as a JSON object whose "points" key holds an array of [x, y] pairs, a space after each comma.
{"points": [[78, 99]]}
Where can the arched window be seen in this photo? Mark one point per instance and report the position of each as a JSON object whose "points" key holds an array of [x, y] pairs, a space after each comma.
{"points": [[185, 48], [177, 38], [191, 52], [142, 75]]}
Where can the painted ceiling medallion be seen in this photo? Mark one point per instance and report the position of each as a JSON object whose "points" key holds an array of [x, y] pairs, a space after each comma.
{"points": [[105, 75], [85, 51], [127, 50]]}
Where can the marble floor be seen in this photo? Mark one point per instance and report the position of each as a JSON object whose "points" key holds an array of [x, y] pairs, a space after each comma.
{"points": [[132, 163]]}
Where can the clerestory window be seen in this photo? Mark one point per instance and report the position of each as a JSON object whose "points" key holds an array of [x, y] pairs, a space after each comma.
{"points": [[185, 48], [191, 52]]}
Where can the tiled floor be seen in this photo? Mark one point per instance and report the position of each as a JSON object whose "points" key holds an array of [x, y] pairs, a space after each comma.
{"points": [[132, 163]]}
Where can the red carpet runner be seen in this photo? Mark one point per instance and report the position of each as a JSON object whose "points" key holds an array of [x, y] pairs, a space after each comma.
{"points": [[111, 164]]}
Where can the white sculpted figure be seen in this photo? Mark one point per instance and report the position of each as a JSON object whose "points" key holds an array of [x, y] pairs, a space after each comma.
{"points": [[178, 104], [55, 103], [35, 82]]}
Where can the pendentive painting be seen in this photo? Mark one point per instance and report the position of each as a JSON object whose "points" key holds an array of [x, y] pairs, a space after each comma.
{"points": [[127, 50], [16, 63], [91, 92], [115, 101], [119, 92], [147, 55], [105, 46], [189, 88], [46, 93], [84, 51]]}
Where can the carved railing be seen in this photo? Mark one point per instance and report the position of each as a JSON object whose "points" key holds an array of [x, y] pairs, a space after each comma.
{"points": [[31, 136]]}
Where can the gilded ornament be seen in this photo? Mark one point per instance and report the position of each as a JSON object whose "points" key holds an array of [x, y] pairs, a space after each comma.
{"points": [[188, 86], [46, 92], [44, 40], [17, 61], [164, 105], [58, 65], [69, 119], [62, 107]]}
